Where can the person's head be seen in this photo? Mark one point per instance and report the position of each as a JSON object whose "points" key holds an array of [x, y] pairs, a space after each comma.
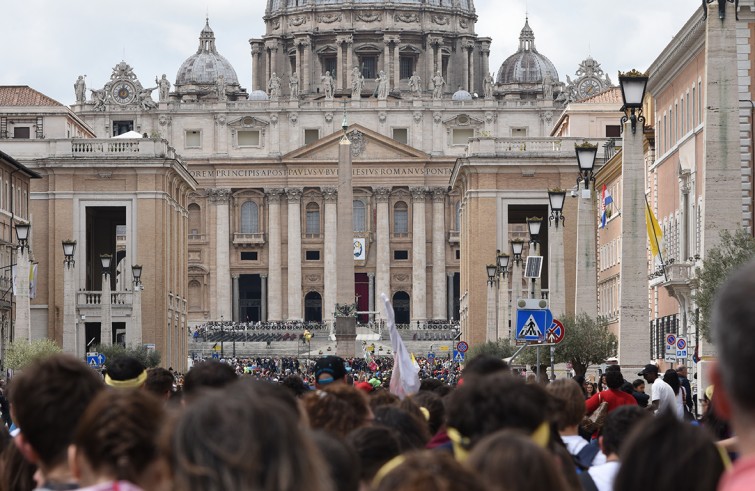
{"points": [[296, 385], [413, 432], [426, 470], [125, 372], [231, 438], [374, 445], [664, 453], [672, 378], [590, 388], [614, 379], [569, 402], [509, 460], [116, 438], [639, 385], [482, 365], [47, 399], [160, 382], [432, 408], [682, 371], [649, 373], [619, 423], [340, 459], [329, 370], [338, 409], [211, 374]]}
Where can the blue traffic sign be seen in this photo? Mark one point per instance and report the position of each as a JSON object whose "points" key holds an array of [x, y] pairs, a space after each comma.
{"points": [[216, 356], [458, 356], [531, 324], [95, 359], [431, 357]]}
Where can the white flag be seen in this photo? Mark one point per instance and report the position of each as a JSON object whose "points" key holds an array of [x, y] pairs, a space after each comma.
{"points": [[405, 378]]}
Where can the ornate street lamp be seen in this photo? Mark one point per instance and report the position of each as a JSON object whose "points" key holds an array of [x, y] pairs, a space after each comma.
{"points": [[492, 270], [517, 246], [502, 261], [22, 234], [586, 153], [106, 260], [534, 224], [69, 249], [556, 198], [633, 84], [136, 271]]}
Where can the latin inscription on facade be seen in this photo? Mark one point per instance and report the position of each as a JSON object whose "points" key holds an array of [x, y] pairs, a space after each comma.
{"points": [[320, 171]]}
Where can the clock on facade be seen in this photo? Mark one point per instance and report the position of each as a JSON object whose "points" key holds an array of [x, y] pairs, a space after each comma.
{"points": [[588, 87], [123, 92]]}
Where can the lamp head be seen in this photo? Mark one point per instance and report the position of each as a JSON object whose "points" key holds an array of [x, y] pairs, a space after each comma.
{"points": [[69, 248], [106, 260], [22, 232], [492, 270], [633, 84]]}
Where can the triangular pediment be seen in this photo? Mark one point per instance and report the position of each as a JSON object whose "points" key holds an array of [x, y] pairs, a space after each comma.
{"points": [[367, 146]]}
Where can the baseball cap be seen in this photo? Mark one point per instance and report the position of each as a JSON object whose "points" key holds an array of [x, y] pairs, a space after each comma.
{"points": [[332, 365], [649, 368]]}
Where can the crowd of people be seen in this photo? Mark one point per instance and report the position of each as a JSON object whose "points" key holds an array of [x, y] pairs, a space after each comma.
{"points": [[334, 424]]}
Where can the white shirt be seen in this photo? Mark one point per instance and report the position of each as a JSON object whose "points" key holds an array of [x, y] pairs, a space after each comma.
{"points": [[604, 475], [664, 394], [575, 443]]}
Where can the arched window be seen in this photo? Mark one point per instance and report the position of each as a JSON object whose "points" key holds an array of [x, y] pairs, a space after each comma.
{"points": [[250, 218], [195, 219], [313, 219], [402, 307], [400, 218], [359, 216], [458, 216]]}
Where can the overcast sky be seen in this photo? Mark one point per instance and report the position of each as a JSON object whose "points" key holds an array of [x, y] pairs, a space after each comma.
{"points": [[48, 43]]}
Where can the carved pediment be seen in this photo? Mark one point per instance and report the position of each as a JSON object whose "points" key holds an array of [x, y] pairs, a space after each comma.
{"points": [[367, 145], [463, 120], [248, 122]]}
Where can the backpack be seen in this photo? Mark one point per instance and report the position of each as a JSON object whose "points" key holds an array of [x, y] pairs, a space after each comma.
{"points": [[583, 459]]}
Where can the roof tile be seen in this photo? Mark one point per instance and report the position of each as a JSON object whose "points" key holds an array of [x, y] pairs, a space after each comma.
{"points": [[23, 95]]}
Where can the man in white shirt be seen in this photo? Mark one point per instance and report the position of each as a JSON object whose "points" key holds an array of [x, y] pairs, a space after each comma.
{"points": [[663, 399]]}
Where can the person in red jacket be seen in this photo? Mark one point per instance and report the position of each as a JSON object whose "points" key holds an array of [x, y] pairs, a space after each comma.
{"points": [[614, 396]]}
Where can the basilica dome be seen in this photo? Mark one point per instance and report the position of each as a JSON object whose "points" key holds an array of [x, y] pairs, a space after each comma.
{"points": [[461, 95], [526, 66], [206, 65], [279, 6]]}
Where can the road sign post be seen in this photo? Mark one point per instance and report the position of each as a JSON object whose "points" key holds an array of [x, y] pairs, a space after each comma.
{"points": [[462, 346], [681, 349], [95, 359], [670, 351], [458, 356]]}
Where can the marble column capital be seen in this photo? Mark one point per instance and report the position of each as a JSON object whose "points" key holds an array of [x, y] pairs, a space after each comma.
{"points": [[263, 276], [235, 276], [293, 194], [219, 195], [438, 194], [418, 193], [370, 275], [329, 194], [381, 194], [273, 195]]}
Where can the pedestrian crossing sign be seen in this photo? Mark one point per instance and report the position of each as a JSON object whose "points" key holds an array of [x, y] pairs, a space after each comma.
{"points": [[531, 324], [458, 356]]}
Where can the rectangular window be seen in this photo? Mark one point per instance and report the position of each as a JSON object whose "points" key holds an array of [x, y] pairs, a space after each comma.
{"points": [[684, 125], [248, 138], [694, 102], [369, 66], [665, 134], [613, 131], [401, 135], [121, 127], [687, 121], [401, 255], [699, 102], [672, 127], [407, 66], [249, 256], [330, 64], [311, 136], [312, 255], [313, 222], [23, 132], [458, 254], [193, 139], [519, 132], [461, 136]]}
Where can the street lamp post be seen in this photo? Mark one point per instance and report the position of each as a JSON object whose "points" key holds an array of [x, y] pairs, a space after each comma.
{"points": [[134, 335], [517, 247], [222, 337], [22, 329], [534, 224], [106, 329], [556, 279], [586, 295], [502, 261], [70, 335], [491, 326]]}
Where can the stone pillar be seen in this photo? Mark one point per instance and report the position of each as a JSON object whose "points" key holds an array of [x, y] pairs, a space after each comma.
{"points": [[294, 254], [345, 324], [387, 56], [439, 253], [556, 280], [371, 295], [586, 288], [307, 68], [471, 79], [272, 46], [235, 277], [419, 259], [465, 66], [450, 296], [516, 286], [255, 66], [503, 307], [275, 290], [329, 197], [134, 335], [69, 309], [298, 66], [439, 62], [491, 334], [634, 320], [396, 63], [485, 48], [263, 297], [383, 252], [430, 61], [106, 319], [220, 198], [22, 324], [349, 61], [339, 63]]}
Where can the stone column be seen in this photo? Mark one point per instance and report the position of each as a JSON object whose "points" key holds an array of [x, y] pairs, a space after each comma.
{"points": [[134, 335], [339, 63], [307, 68], [503, 307], [634, 342], [430, 62], [419, 259], [465, 66], [439, 62], [383, 252], [387, 56], [22, 324], [349, 61], [294, 254], [586, 288], [345, 324], [439, 253], [220, 198], [275, 290], [263, 297], [371, 295], [450, 296], [69, 309], [272, 46], [485, 48], [298, 65], [106, 319], [396, 63], [557, 280], [255, 66], [329, 197], [516, 287], [235, 277], [491, 334]]}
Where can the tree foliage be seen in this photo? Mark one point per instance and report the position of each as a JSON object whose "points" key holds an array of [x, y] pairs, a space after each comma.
{"points": [[499, 349], [734, 250], [20, 353], [148, 358], [586, 342]]}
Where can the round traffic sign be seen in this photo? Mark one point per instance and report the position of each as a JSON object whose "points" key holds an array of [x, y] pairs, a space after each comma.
{"points": [[670, 339], [555, 333], [681, 343], [462, 346]]}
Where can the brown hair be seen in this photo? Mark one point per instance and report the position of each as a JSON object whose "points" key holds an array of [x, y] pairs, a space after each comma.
{"points": [[118, 431], [337, 409], [48, 398], [569, 402], [427, 470]]}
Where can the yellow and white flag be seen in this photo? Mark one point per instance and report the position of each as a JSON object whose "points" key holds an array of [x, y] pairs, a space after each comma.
{"points": [[655, 233]]}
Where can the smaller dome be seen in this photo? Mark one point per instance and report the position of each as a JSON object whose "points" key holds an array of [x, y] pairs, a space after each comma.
{"points": [[527, 65], [258, 95], [206, 65], [461, 95]]}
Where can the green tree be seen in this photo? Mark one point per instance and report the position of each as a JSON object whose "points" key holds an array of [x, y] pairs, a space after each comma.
{"points": [[499, 349], [586, 342], [734, 250], [148, 358], [20, 353]]}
